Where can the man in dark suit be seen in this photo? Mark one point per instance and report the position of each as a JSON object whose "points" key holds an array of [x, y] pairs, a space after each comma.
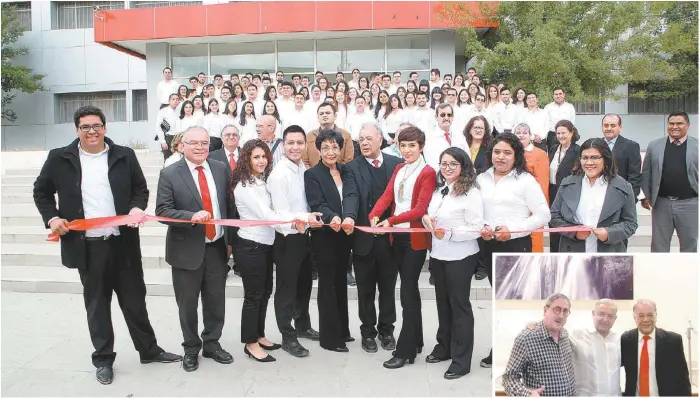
{"points": [[653, 358], [375, 266], [94, 177], [229, 154], [625, 152], [196, 189]]}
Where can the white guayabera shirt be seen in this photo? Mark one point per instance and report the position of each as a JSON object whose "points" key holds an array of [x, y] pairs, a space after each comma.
{"points": [[596, 362]]}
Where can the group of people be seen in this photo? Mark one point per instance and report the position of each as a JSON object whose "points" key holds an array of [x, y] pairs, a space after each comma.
{"points": [[549, 360], [479, 193]]}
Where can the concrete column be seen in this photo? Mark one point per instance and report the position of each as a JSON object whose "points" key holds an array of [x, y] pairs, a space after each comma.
{"points": [[156, 59], [442, 51]]}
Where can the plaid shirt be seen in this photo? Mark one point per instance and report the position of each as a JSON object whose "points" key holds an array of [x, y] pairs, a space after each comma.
{"points": [[537, 361]]}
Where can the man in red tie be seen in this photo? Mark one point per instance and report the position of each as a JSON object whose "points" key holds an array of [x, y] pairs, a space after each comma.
{"points": [[196, 189], [653, 358]]}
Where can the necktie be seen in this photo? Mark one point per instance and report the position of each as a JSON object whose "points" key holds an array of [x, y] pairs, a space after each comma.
{"points": [[375, 162], [644, 369], [210, 229], [231, 161], [447, 137], [677, 142]]}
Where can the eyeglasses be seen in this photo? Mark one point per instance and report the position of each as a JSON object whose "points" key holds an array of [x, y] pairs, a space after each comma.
{"points": [[95, 127], [446, 115], [449, 166], [560, 311], [197, 143], [326, 149], [585, 159]]}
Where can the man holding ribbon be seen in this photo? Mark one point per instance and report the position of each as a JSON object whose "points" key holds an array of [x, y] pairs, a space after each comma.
{"points": [[94, 177]]}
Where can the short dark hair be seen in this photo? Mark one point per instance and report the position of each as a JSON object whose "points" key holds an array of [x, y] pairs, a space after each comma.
{"points": [[88, 111], [421, 93], [256, 77], [288, 84], [218, 75], [386, 75], [296, 75], [340, 73], [619, 119], [679, 113], [329, 135], [436, 71], [201, 73], [252, 85], [317, 72], [504, 88], [294, 128], [167, 68], [558, 88], [267, 78], [192, 78], [448, 74], [471, 68], [233, 74], [609, 165], [412, 134], [395, 72], [412, 73], [325, 104], [569, 126]]}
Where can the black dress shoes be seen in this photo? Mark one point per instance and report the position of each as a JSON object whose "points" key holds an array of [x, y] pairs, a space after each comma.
{"points": [[395, 363], [220, 356], [295, 349], [388, 342], [351, 280], [163, 357], [431, 280], [369, 345], [268, 358], [105, 374], [338, 349], [452, 375], [486, 362], [480, 275], [310, 334], [272, 347], [190, 362], [349, 339], [434, 359]]}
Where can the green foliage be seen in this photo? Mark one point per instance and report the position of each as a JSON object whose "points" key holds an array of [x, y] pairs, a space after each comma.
{"points": [[14, 77], [589, 48]]}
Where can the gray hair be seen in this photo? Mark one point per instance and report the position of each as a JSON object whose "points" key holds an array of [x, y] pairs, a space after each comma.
{"points": [[606, 301], [230, 125], [521, 126], [554, 297], [443, 106], [374, 124], [192, 128], [643, 301]]}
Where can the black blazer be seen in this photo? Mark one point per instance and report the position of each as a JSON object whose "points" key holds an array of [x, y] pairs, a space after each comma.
{"points": [[629, 162], [230, 233], [567, 162], [672, 376], [361, 170], [480, 160], [62, 174], [322, 193], [179, 198]]}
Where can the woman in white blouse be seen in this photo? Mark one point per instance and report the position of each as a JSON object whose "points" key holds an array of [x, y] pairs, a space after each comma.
{"points": [[231, 112], [214, 122], [253, 248], [513, 201], [187, 118], [595, 196], [199, 110], [456, 214], [392, 119], [341, 118], [247, 122]]}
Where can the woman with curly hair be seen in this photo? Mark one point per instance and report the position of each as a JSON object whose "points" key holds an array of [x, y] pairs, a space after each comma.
{"points": [[253, 248], [455, 214]]}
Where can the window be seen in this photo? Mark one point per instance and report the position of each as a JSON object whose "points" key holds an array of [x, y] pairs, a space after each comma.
{"points": [[79, 14], [687, 103], [589, 108], [254, 57], [188, 60], [139, 105], [295, 56], [153, 4], [112, 103], [408, 52], [23, 12], [364, 53]]}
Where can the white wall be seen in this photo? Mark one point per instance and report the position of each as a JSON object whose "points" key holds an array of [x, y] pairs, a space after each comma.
{"points": [[671, 280]]}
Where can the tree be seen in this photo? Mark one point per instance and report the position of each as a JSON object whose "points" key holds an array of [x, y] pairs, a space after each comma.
{"points": [[14, 77], [588, 48]]}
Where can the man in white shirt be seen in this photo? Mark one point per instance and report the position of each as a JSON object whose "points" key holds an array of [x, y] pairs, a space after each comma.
{"points": [[414, 76], [451, 97], [225, 96], [537, 119], [339, 77], [423, 117], [298, 115], [447, 79], [505, 112], [258, 103], [291, 250], [386, 83], [479, 109], [470, 74], [396, 83], [441, 137], [285, 102], [360, 117], [166, 87], [556, 111], [435, 79], [201, 82], [311, 106], [218, 84], [265, 128], [279, 76], [165, 125], [596, 353]]}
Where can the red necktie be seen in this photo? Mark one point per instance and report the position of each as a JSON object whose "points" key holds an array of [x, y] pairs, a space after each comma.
{"points": [[447, 137], [231, 161], [375, 162], [644, 369], [210, 229]]}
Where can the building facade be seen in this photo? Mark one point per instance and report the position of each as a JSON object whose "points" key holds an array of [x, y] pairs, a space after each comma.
{"points": [[111, 54]]}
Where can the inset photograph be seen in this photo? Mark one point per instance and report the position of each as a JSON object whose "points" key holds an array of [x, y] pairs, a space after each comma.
{"points": [[595, 325]]}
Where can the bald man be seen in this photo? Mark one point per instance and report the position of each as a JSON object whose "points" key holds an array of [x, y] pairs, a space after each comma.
{"points": [[265, 128]]}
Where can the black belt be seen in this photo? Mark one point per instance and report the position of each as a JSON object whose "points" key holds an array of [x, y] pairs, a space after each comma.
{"points": [[679, 198], [98, 238]]}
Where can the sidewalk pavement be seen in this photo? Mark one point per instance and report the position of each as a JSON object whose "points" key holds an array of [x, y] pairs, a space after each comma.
{"points": [[46, 352]]}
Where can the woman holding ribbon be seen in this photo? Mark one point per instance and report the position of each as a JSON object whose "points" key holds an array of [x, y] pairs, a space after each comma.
{"points": [[409, 192], [456, 216], [595, 196]]}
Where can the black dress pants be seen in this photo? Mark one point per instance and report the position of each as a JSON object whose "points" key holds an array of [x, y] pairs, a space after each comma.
{"points": [[332, 253], [376, 269], [209, 282], [106, 272], [168, 152], [410, 263], [455, 335], [554, 237], [254, 261], [292, 256]]}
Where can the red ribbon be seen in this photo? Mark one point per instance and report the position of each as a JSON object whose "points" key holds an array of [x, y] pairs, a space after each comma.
{"points": [[116, 221]]}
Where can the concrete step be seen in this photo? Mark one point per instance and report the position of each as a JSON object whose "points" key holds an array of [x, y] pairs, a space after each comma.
{"points": [[159, 283]]}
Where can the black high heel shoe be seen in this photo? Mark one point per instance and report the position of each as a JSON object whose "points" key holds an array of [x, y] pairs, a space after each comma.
{"points": [[272, 347], [395, 363], [268, 358]]}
